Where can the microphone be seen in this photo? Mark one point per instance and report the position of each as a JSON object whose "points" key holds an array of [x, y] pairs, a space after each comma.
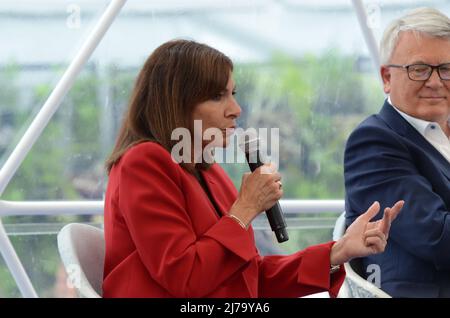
{"points": [[250, 146]]}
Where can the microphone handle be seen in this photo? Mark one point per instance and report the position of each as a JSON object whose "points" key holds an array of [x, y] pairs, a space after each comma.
{"points": [[277, 222], [274, 214]]}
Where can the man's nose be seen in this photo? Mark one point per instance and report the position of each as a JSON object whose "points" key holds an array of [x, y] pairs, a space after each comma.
{"points": [[434, 81]]}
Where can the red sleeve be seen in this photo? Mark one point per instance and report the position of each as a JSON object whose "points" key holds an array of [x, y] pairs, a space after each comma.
{"points": [[303, 273], [152, 201]]}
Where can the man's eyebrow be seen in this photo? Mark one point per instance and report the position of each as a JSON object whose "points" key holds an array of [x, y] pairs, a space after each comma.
{"points": [[422, 62]]}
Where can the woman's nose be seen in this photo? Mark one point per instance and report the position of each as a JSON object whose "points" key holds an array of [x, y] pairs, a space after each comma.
{"points": [[233, 109]]}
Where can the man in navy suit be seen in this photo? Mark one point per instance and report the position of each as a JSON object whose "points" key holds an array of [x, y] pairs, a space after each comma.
{"points": [[403, 152]]}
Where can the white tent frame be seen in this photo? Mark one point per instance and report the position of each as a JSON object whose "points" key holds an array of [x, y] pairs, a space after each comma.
{"points": [[47, 111]]}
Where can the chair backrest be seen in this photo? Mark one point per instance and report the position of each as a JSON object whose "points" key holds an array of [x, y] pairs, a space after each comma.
{"points": [[82, 250], [355, 285]]}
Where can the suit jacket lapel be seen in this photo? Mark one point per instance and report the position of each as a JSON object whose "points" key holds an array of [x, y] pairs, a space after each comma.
{"points": [[398, 124]]}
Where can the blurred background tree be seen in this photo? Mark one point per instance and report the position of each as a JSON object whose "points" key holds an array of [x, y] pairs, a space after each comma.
{"points": [[314, 101]]}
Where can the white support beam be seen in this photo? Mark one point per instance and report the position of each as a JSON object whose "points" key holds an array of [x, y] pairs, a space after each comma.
{"points": [[53, 102], [34, 131], [15, 266], [52, 208], [367, 32], [312, 206]]}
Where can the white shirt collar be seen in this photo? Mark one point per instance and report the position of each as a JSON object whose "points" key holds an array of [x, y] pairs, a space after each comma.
{"points": [[420, 124]]}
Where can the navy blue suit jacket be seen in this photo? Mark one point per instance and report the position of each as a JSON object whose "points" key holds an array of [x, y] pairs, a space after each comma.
{"points": [[386, 160]]}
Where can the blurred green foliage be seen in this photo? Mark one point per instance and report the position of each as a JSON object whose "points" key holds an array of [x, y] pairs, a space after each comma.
{"points": [[315, 102]]}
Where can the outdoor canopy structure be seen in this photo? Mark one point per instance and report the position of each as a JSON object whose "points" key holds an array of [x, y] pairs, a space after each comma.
{"points": [[63, 86]]}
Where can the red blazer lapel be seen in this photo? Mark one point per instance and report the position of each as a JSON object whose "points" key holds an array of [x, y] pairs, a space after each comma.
{"points": [[221, 188]]}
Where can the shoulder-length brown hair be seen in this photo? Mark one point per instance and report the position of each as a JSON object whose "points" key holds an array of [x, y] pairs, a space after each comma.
{"points": [[176, 77]]}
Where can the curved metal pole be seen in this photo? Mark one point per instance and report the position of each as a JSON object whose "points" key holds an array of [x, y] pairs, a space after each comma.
{"points": [[367, 32], [15, 266], [35, 129], [54, 100]]}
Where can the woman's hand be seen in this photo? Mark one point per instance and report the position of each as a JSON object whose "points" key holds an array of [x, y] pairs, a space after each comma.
{"points": [[363, 237], [260, 190]]}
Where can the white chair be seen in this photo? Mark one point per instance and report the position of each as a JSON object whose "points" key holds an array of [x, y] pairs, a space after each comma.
{"points": [[355, 286], [82, 250]]}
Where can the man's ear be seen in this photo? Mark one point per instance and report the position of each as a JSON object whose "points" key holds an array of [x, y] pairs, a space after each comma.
{"points": [[386, 77]]}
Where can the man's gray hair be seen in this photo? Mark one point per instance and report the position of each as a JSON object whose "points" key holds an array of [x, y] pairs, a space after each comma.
{"points": [[428, 21]]}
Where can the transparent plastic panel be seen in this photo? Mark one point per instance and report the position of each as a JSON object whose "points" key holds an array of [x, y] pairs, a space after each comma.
{"points": [[39, 40], [301, 67], [36, 246], [307, 72]]}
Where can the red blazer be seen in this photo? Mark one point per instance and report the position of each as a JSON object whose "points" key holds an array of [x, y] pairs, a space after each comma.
{"points": [[164, 238]]}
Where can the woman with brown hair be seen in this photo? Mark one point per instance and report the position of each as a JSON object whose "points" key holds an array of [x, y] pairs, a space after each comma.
{"points": [[181, 229]]}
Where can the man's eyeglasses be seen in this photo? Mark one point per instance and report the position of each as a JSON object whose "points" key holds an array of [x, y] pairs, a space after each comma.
{"points": [[422, 72]]}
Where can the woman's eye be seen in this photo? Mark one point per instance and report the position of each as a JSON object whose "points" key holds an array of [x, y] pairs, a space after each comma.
{"points": [[234, 92], [217, 97]]}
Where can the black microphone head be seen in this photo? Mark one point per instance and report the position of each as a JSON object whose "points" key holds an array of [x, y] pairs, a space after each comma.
{"points": [[251, 145], [249, 141]]}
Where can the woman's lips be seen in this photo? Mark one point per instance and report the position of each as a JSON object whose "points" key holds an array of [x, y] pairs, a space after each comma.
{"points": [[229, 131]]}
